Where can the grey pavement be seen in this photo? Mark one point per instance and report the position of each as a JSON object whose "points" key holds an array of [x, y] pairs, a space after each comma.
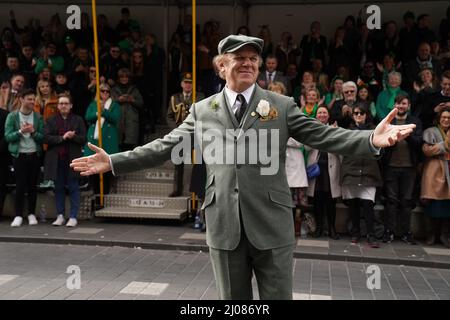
{"points": [[167, 235], [39, 272]]}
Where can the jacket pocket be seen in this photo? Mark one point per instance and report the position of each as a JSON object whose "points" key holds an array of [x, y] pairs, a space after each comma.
{"points": [[281, 198]]}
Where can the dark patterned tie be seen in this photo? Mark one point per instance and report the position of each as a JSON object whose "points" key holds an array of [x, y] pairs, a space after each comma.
{"points": [[240, 112]]}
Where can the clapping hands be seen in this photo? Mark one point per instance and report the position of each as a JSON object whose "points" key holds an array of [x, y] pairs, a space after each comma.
{"points": [[69, 135], [27, 128]]}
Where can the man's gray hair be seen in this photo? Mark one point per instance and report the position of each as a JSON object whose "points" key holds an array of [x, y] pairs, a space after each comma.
{"points": [[395, 74]]}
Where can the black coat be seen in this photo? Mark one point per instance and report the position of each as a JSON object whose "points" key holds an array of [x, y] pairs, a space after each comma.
{"points": [[424, 108], [414, 141], [54, 140], [360, 171]]}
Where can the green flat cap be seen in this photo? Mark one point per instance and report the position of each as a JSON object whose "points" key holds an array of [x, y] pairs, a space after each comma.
{"points": [[235, 42]]}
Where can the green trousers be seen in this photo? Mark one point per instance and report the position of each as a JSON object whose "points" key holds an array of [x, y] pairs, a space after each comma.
{"points": [[233, 271]]}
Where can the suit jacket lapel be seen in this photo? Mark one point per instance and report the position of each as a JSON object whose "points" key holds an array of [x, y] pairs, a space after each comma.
{"points": [[248, 118], [224, 114]]}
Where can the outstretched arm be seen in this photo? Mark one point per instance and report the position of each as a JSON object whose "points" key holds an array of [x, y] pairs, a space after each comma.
{"points": [[147, 156], [346, 142]]}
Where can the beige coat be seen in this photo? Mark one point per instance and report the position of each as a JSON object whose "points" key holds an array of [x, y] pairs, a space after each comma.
{"points": [[295, 165], [435, 177], [334, 166]]}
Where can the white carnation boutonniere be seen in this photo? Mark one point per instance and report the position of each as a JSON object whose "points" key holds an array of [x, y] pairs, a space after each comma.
{"points": [[214, 105], [265, 111], [263, 108]]}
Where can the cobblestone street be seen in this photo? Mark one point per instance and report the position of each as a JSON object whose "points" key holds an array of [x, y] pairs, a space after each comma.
{"points": [[38, 271]]}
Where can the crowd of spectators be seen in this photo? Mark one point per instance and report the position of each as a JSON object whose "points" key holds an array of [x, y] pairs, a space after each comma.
{"points": [[352, 80]]}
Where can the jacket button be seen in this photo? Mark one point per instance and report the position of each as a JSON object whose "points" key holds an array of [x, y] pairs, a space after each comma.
{"points": [[236, 190]]}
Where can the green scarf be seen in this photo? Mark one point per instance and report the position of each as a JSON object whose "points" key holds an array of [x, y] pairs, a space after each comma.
{"points": [[313, 112], [393, 94]]}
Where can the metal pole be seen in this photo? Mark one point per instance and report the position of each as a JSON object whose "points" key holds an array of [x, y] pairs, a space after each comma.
{"points": [[194, 73], [97, 93]]}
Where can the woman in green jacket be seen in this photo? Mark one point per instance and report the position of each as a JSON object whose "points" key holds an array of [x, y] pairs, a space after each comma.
{"points": [[110, 120], [109, 125]]}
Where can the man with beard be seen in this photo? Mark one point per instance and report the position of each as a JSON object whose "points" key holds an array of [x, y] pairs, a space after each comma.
{"points": [[399, 174]]}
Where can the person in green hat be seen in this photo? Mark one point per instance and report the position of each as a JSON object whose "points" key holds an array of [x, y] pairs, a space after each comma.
{"points": [[70, 51], [248, 205]]}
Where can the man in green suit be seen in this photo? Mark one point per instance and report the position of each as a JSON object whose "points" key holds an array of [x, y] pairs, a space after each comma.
{"points": [[247, 203]]}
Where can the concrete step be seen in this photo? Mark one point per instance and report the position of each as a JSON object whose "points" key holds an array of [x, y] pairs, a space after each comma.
{"points": [[150, 213], [128, 201], [144, 188]]}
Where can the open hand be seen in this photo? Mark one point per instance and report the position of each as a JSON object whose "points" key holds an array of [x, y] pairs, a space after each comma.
{"points": [[302, 101], [96, 163], [386, 134], [321, 101]]}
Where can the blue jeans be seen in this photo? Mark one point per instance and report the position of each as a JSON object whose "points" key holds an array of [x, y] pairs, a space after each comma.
{"points": [[62, 179]]}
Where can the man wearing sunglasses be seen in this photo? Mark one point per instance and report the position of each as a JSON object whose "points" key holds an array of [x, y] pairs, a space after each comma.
{"points": [[342, 109], [111, 64]]}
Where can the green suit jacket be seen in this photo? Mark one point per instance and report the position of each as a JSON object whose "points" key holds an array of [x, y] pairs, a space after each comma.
{"points": [[238, 195]]}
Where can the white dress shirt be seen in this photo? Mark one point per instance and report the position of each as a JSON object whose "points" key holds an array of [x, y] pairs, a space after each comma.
{"points": [[232, 95]]}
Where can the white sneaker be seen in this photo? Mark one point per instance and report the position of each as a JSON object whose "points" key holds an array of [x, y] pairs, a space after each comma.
{"points": [[32, 220], [59, 220], [17, 222], [72, 222]]}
